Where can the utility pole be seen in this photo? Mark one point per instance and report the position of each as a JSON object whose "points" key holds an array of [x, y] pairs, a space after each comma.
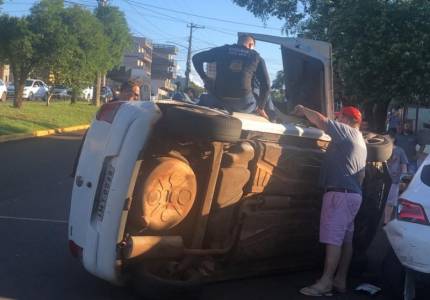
{"points": [[192, 26], [102, 2]]}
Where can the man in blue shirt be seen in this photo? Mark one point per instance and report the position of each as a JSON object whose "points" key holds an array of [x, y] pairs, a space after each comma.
{"points": [[342, 173], [236, 67]]}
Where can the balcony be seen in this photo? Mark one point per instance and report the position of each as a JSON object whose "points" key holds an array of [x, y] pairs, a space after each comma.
{"points": [[147, 56]]}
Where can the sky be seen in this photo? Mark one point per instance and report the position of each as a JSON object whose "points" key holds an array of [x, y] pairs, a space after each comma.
{"points": [[165, 21]]}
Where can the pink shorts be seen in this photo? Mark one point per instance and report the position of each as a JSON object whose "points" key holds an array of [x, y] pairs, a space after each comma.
{"points": [[337, 217]]}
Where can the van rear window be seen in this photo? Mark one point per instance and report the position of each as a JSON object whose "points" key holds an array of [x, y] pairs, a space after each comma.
{"points": [[425, 175]]}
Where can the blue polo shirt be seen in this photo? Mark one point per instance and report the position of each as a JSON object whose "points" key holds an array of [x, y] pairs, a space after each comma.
{"points": [[345, 159]]}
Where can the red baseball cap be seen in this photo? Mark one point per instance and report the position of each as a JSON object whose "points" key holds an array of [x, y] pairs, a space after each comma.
{"points": [[352, 112]]}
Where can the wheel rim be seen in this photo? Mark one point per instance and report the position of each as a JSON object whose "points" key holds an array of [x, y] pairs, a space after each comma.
{"points": [[169, 193]]}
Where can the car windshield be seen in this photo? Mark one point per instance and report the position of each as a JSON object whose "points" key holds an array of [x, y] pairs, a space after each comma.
{"points": [[60, 87], [28, 82]]}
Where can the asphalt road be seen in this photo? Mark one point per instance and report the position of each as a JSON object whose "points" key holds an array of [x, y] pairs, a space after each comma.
{"points": [[35, 263]]}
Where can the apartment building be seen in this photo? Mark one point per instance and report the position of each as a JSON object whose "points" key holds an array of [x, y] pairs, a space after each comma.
{"points": [[163, 71], [136, 66]]}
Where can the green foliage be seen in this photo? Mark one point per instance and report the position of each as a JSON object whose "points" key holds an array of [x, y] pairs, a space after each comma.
{"points": [[116, 30], [279, 82], [87, 49], [278, 88], [70, 42], [380, 48], [17, 49], [199, 90]]}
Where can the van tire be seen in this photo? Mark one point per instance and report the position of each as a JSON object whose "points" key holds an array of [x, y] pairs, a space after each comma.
{"points": [[202, 123], [379, 148], [424, 137]]}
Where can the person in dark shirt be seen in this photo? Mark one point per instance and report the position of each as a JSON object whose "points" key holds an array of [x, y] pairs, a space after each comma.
{"points": [[408, 141], [236, 67], [342, 173]]}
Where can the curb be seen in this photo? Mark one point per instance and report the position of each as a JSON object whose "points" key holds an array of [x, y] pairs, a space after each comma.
{"points": [[39, 133]]}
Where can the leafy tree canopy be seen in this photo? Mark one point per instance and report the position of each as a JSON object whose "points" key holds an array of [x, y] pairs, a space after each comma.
{"points": [[70, 42], [116, 30], [279, 82], [87, 48]]}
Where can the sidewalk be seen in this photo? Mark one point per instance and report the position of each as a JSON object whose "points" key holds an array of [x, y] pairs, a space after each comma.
{"points": [[16, 137]]}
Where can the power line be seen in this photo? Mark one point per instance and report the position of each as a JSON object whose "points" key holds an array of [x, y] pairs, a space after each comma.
{"points": [[169, 18], [203, 17]]}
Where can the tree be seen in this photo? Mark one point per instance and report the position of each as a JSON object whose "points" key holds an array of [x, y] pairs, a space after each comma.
{"points": [[46, 23], [87, 49], [31, 42], [116, 30], [16, 49], [278, 87], [379, 47], [279, 82]]}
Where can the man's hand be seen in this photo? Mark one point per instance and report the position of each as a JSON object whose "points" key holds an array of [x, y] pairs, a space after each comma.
{"points": [[261, 112], [313, 116], [299, 110]]}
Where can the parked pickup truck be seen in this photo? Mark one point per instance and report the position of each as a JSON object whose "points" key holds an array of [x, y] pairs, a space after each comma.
{"points": [[173, 194]]}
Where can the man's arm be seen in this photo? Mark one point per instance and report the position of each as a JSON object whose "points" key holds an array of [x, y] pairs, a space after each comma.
{"points": [[313, 116], [264, 80], [200, 58]]}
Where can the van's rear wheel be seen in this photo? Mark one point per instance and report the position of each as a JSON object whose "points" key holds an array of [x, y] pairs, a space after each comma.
{"points": [[167, 190]]}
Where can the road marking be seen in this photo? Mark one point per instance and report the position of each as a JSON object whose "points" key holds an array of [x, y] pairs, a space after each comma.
{"points": [[33, 219]]}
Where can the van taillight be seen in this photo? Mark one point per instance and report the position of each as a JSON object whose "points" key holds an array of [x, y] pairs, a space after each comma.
{"points": [[108, 111], [75, 250], [411, 212]]}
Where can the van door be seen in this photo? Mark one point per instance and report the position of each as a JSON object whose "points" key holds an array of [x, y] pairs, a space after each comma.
{"points": [[307, 70]]}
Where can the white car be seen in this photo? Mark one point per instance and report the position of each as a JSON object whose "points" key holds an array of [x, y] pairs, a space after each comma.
{"points": [[172, 193], [3, 91], [409, 236], [35, 89]]}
